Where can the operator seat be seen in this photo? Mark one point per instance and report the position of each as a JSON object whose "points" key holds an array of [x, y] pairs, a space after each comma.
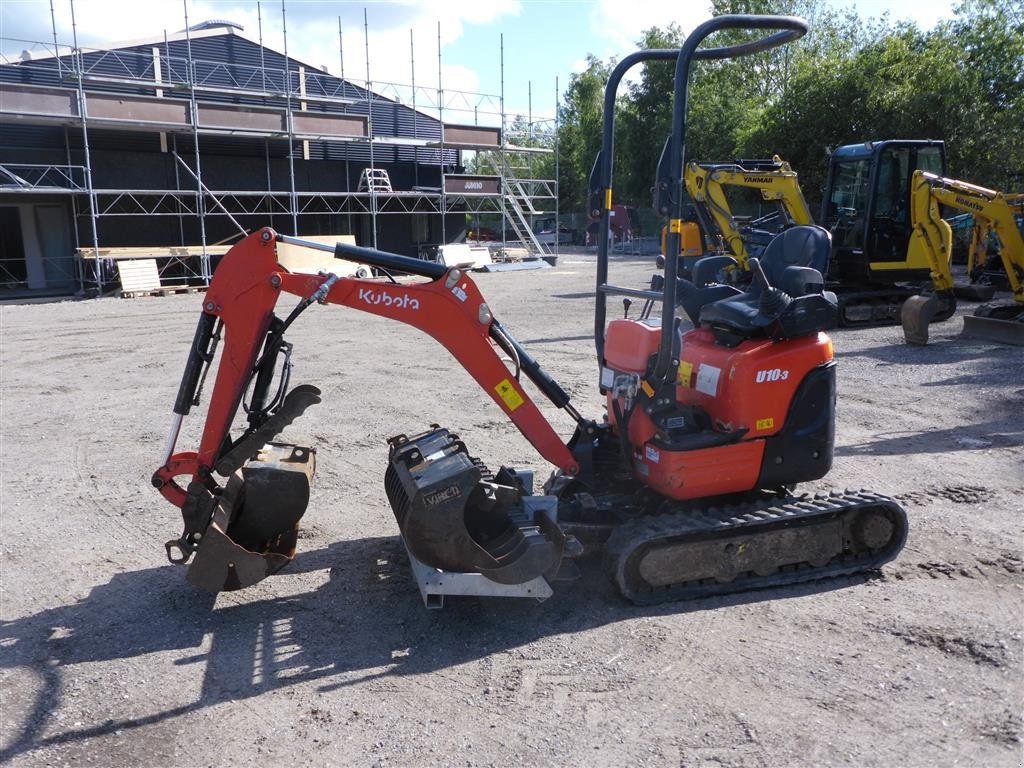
{"points": [[704, 288], [786, 298]]}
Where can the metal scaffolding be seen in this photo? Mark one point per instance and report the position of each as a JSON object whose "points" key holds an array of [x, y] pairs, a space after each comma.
{"points": [[516, 195]]}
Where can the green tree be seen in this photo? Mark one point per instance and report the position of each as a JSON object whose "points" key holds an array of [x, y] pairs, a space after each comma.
{"points": [[988, 36], [848, 80], [961, 82], [579, 138], [645, 120]]}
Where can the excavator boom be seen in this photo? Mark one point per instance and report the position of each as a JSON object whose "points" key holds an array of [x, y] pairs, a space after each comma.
{"points": [[777, 182], [239, 307], [993, 212]]}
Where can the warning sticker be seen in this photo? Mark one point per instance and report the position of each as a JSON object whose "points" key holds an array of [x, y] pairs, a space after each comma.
{"points": [[707, 379], [647, 388], [685, 372], [653, 454], [509, 395], [763, 424]]}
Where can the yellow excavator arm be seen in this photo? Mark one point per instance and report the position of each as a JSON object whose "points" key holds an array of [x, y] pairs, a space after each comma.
{"points": [[706, 183], [993, 212]]}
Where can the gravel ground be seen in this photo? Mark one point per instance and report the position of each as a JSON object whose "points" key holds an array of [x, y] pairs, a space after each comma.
{"points": [[108, 657]]}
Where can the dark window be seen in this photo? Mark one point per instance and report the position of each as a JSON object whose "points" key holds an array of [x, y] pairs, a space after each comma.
{"points": [[848, 203], [13, 271]]}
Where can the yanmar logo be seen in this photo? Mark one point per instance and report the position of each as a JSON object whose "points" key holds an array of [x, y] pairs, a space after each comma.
{"points": [[757, 179], [373, 298], [969, 203]]}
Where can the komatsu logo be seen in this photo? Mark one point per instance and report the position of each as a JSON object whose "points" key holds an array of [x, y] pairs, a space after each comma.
{"points": [[772, 374], [757, 179], [373, 298], [969, 204]]}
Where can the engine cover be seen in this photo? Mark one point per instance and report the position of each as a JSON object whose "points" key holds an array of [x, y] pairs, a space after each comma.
{"points": [[706, 433]]}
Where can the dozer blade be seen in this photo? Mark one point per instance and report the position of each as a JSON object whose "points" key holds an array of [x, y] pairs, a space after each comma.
{"points": [[918, 312], [995, 329], [456, 517], [255, 524]]}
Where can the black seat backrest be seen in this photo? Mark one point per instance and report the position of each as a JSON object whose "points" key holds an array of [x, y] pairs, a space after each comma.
{"points": [[786, 298], [801, 246]]}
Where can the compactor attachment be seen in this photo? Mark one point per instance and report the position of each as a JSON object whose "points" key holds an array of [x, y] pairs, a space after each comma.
{"points": [[255, 522], [456, 516]]}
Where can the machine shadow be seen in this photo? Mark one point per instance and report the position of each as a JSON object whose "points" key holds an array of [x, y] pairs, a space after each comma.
{"points": [[999, 433], [336, 635], [936, 352]]}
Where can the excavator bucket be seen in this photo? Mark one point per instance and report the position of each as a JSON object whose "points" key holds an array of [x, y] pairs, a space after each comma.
{"points": [[255, 522], [455, 516], [918, 312]]}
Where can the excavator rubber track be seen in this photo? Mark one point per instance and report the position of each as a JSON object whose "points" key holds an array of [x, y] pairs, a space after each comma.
{"points": [[685, 555], [883, 307]]}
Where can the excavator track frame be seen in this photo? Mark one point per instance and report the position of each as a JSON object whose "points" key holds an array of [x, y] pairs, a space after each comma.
{"points": [[721, 545]]}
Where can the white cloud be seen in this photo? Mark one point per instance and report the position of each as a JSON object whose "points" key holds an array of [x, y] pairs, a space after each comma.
{"points": [[621, 24], [312, 31]]}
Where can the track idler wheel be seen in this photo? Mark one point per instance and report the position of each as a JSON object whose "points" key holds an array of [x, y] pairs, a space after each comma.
{"points": [[456, 517], [255, 522]]}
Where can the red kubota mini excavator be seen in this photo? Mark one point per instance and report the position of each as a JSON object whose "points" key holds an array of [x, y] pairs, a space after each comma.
{"points": [[685, 485]]}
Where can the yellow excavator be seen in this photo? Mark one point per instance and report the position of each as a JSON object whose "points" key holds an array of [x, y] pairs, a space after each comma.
{"points": [[875, 264], [994, 214], [777, 183], [981, 264], [880, 258]]}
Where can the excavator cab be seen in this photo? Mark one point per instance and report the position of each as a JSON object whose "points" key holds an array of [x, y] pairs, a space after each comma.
{"points": [[866, 207]]}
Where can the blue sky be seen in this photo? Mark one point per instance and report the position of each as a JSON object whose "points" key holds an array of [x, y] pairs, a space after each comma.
{"points": [[543, 39]]}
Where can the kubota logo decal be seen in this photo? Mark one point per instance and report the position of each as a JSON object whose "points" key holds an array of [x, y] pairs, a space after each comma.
{"points": [[772, 374], [373, 298]]}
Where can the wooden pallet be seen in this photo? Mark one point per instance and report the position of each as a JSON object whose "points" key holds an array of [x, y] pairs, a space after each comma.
{"points": [[140, 277], [163, 291]]}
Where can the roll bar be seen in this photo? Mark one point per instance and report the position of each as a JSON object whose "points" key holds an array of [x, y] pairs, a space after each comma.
{"points": [[788, 28]]}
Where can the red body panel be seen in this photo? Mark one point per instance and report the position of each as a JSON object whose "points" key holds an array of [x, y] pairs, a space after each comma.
{"points": [[706, 472], [750, 386]]}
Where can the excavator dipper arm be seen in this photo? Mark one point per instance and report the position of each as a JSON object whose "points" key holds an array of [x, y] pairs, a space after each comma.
{"points": [[453, 513], [246, 288]]}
